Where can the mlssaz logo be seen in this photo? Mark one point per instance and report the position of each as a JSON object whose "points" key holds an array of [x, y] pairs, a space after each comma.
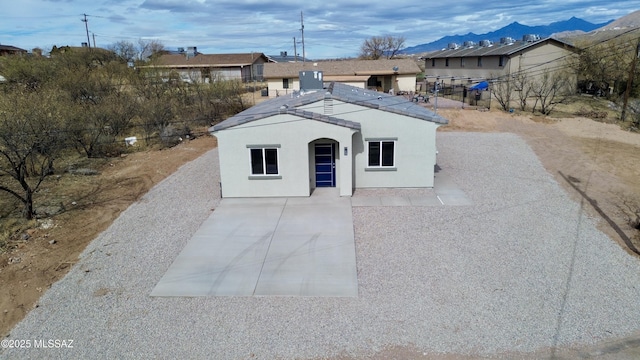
{"points": [[53, 344]]}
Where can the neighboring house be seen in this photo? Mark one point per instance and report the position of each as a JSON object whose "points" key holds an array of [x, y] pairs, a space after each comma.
{"points": [[342, 136], [11, 50], [285, 57], [192, 66], [398, 75], [471, 62], [104, 53]]}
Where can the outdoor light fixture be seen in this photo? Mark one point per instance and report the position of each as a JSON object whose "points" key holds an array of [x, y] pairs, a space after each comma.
{"points": [[346, 151]]}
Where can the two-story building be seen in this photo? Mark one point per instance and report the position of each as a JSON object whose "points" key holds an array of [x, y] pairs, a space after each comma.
{"points": [[470, 62]]}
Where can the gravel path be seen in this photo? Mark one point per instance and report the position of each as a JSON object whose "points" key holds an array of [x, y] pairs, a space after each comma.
{"points": [[520, 270]]}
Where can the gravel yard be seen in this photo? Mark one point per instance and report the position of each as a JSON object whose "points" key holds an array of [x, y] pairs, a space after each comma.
{"points": [[523, 269]]}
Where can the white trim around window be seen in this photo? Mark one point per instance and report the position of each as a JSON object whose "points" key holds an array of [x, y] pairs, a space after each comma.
{"points": [[381, 154], [264, 161]]}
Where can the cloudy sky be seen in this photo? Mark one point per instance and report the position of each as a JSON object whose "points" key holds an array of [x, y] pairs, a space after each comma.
{"points": [[331, 29]]}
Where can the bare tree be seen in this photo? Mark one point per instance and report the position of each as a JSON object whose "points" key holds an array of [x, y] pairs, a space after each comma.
{"points": [[125, 50], [378, 47], [148, 49], [522, 85], [501, 90], [143, 50], [31, 138], [550, 89]]}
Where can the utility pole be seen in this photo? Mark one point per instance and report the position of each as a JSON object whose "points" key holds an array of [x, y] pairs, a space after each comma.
{"points": [[94, 39], [436, 88], [254, 76], [623, 115], [86, 26], [302, 31], [295, 51]]}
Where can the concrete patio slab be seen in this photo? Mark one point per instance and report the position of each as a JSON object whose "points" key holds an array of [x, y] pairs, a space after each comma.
{"points": [[260, 247], [431, 200], [366, 201], [445, 192], [448, 192], [394, 201]]}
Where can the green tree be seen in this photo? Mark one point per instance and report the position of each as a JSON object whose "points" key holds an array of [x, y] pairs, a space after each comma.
{"points": [[101, 109], [605, 65], [30, 72]]}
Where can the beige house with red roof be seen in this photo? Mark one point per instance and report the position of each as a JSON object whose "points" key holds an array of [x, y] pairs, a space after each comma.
{"points": [[192, 66], [381, 75]]}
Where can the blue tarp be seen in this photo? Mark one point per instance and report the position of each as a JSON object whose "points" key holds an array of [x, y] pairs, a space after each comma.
{"points": [[483, 85]]}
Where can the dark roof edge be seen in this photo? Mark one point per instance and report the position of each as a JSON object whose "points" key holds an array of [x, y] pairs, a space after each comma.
{"points": [[535, 43], [297, 112]]}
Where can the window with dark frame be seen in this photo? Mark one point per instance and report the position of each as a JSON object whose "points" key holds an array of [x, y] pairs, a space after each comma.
{"points": [[479, 61], [264, 161], [461, 62], [433, 62], [285, 83], [381, 153], [446, 62], [501, 61]]}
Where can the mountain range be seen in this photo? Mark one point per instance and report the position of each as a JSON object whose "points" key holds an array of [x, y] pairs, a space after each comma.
{"points": [[514, 30]]}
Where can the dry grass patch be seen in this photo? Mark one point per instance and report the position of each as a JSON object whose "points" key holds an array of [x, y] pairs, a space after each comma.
{"points": [[88, 204]]}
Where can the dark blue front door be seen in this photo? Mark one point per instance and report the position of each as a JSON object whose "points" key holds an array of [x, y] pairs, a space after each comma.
{"points": [[325, 166]]}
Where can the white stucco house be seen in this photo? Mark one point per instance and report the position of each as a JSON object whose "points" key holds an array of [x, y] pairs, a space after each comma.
{"points": [[341, 136]]}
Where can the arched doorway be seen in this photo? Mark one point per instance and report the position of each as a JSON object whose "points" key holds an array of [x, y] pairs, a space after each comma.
{"points": [[323, 159]]}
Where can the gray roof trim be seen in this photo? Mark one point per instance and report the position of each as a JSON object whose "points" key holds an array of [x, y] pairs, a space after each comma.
{"points": [[288, 104], [495, 50], [239, 120]]}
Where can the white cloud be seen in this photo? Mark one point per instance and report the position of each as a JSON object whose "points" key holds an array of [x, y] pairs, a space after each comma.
{"points": [[331, 29]]}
